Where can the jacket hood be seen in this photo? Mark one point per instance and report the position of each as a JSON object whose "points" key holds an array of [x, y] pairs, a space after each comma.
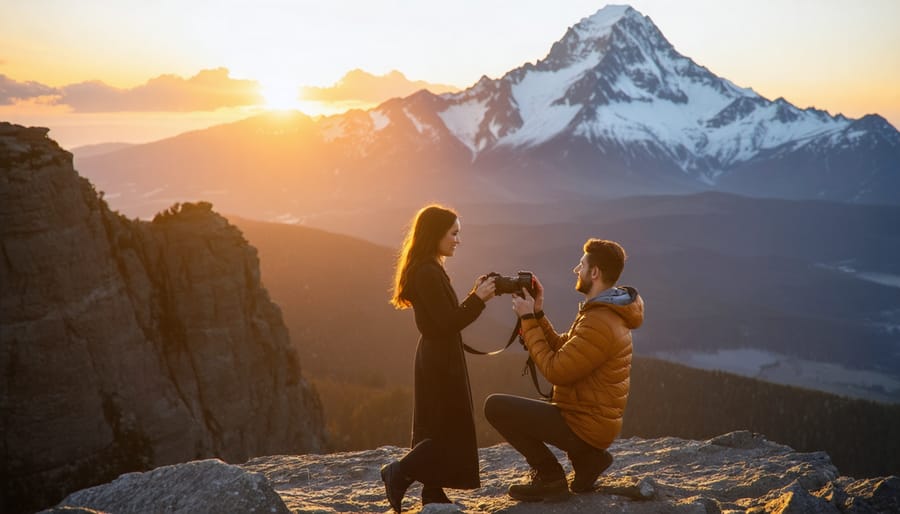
{"points": [[624, 301]]}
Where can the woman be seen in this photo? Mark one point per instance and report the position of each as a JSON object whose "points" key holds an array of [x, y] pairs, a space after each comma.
{"points": [[444, 452]]}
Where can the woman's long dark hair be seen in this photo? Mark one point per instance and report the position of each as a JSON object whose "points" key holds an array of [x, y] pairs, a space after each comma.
{"points": [[421, 243]]}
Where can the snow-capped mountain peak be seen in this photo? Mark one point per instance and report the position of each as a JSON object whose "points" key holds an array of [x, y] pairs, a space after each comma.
{"points": [[602, 21], [614, 90], [587, 38], [615, 81]]}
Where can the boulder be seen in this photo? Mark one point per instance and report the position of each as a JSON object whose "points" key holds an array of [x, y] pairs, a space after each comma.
{"points": [[206, 486]]}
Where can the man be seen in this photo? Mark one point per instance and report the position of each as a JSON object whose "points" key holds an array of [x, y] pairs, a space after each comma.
{"points": [[589, 367]]}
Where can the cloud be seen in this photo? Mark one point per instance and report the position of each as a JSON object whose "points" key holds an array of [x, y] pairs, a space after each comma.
{"points": [[361, 86], [12, 91], [208, 90]]}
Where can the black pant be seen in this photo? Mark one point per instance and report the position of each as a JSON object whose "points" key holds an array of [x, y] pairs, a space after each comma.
{"points": [[423, 461], [527, 424], [421, 464]]}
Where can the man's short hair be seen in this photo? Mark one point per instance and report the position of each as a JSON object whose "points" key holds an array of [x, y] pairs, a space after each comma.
{"points": [[607, 255]]}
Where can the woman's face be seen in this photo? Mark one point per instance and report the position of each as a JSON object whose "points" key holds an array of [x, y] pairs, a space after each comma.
{"points": [[447, 245]]}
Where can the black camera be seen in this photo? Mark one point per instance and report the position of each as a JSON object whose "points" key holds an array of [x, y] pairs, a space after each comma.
{"points": [[513, 285]]}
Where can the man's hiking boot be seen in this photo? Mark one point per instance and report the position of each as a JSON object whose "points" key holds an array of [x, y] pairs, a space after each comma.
{"points": [[541, 487], [395, 484], [587, 468]]}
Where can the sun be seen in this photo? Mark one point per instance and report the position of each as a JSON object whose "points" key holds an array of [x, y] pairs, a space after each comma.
{"points": [[280, 95]]}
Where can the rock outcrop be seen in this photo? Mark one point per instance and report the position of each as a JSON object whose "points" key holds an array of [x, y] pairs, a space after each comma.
{"points": [[195, 487], [736, 472], [127, 345]]}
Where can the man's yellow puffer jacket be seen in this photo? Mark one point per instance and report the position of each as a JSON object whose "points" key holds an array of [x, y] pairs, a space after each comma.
{"points": [[590, 365]]}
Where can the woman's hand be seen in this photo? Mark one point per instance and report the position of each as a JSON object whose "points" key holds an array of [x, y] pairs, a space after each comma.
{"points": [[523, 304], [538, 295], [484, 288]]}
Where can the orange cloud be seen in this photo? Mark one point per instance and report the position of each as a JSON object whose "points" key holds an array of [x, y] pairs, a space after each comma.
{"points": [[360, 86], [13, 91], [208, 90]]}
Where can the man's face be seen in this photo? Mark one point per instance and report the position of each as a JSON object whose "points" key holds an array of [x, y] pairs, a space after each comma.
{"points": [[583, 271]]}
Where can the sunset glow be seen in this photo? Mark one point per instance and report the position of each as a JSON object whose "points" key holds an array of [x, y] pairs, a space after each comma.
{"points": [[280, 94], [324, 58]]}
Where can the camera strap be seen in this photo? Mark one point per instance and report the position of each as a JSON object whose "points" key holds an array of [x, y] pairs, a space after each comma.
{"points": [[512, 338], [530, 368], [529, 364]]}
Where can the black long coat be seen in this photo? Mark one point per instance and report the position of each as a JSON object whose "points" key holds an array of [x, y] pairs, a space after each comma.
{"points": [[443, 400]]}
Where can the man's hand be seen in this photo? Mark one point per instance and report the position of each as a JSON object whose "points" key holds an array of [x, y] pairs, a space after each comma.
{"points": [[523, 304], [538, 295]]}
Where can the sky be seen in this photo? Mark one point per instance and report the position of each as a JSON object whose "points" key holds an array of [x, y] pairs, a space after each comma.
{"points": [[135, 71]]}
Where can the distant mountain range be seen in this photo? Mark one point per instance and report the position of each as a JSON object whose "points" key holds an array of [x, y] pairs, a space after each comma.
{"points": [[612, 110], [85, 151]]}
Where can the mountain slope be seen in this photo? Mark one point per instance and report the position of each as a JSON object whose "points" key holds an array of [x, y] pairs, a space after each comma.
{"points": [[81, 152]]}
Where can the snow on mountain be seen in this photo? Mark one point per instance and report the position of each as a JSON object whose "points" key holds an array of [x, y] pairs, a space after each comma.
{"points": [[463, 119], [537, 94], [379, 119]]}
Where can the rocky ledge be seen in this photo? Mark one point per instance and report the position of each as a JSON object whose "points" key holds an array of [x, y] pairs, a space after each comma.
{"points": [[735, 472]]}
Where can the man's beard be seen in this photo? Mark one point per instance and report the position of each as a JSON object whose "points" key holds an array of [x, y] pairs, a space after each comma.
{"points": [[584, 285]]}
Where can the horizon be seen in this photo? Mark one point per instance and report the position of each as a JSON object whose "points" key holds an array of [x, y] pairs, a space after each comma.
{"points": [[263, 58]]}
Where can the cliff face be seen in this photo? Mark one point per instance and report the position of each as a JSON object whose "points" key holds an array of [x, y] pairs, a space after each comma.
{"points": [[126, 344]]}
